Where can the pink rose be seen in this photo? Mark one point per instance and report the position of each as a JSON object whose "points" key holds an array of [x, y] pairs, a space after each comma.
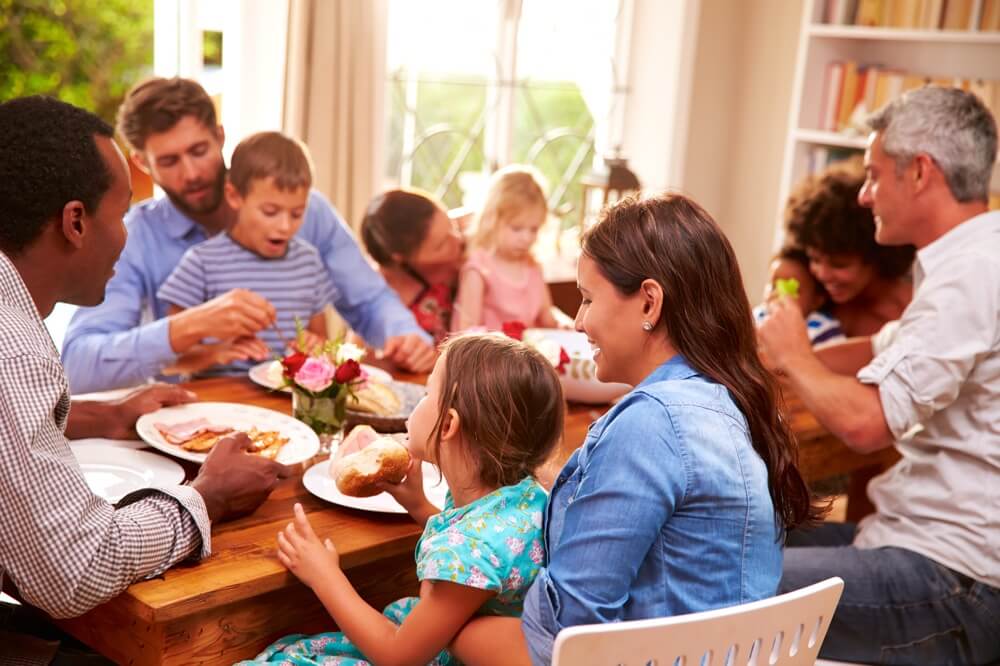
{"points": [[315, 375]]}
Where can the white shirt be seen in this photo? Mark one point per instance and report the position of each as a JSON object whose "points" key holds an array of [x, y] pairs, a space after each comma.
{"points": [[941, 371]]}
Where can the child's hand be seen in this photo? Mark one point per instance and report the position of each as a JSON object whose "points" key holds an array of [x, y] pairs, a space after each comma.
{"points": [[202, 356], [301, 551], [410, 491]]}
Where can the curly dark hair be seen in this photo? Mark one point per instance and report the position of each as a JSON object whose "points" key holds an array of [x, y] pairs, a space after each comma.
{"points": [[823, 214], [48, 157]]}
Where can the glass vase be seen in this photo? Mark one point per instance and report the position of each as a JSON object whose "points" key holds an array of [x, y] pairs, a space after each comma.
{"points": [[324, 414]]}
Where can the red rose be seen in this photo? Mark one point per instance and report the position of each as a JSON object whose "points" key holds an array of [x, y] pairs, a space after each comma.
{"points": [[563, 360], [513, 329], [347, 371], [292, 363]]}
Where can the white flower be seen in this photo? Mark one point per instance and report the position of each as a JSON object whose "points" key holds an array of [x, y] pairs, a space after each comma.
{"points": [[275, 373], [349, 352]]}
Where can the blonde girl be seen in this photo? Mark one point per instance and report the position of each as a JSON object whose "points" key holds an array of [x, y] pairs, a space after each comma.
{"points": [[492, 414], [501, 281]]}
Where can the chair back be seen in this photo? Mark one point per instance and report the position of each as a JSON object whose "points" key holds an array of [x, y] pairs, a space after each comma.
{"points": [[787, 629]]}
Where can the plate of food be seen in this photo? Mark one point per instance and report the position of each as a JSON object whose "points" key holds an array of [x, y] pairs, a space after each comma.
{"points": [[351, 480], [112, 472], [579, 379], [190, 431], [268, 374], [384, 405]]}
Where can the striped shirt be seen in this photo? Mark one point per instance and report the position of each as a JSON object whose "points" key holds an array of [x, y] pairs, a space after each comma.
{"points": [[820, 325], [297, 284], [66, 549]]}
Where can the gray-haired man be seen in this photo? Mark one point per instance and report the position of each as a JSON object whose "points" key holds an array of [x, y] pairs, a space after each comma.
{"points": [[922, 573]]}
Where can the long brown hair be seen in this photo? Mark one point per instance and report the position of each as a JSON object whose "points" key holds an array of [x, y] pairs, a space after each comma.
{"points": [[706, 316], [509, 403]]}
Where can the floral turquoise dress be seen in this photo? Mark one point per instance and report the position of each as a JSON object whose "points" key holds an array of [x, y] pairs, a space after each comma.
{"points": [[494, 543]]}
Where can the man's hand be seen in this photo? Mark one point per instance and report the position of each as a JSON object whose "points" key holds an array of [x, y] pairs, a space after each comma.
{"points": [[200, 357], [782, 336], [233, 482], [116, 419], [239, 313], [301, 551], [410, 352], [142, 401]]}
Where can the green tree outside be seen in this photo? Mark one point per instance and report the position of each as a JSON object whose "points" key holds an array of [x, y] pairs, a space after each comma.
{"points": [[458, 103], [85, 52]]}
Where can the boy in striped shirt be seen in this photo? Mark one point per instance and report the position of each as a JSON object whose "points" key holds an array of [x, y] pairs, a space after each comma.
{"points": [[268, 187]]}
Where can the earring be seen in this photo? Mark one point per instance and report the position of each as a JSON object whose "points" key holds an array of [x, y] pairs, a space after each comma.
{"points": [[646, 326]]}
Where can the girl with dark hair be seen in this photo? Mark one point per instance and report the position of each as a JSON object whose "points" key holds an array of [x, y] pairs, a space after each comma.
{"points": [[419, 252], [679, 498], [868, 284]]}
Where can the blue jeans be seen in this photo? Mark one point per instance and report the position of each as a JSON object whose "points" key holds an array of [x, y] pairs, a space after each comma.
{"points": [[898, 606]]}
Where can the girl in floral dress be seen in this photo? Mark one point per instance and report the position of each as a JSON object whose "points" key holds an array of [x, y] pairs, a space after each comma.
{"points": [[492, 414]]}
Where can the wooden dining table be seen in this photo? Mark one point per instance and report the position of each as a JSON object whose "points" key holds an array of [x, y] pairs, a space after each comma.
{"points": [[233, 603]]}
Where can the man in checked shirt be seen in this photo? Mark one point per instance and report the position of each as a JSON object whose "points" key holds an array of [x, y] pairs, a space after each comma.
{"points": [[64, 187]]}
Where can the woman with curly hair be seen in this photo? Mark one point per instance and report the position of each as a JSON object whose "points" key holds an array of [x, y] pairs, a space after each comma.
{"points": [[869, 284]]}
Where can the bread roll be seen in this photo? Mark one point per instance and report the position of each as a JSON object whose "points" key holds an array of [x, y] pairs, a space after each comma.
{"points": [[375, 398], [383, 460]]}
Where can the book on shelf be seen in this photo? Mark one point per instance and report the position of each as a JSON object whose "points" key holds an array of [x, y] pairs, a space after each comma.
{"points": [[915, 14], [852, 91], [820, 157], [957, 15], [990, 19]]}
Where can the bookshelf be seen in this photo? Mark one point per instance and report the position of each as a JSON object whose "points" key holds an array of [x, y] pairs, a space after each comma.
{"points": [[970, 57]]}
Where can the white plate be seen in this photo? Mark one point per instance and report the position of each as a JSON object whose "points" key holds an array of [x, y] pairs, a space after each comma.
{"points": [[259, 376], [318, 481], [302, 444], [134, 444], [112, 472], [580, 383]]}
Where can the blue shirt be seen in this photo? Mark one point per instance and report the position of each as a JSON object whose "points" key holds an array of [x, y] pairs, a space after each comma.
{"points": [[664, 510], [297, 284], [125, 340]]}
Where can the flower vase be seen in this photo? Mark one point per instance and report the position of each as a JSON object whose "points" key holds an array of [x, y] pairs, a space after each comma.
{"points": [[325, 414]]}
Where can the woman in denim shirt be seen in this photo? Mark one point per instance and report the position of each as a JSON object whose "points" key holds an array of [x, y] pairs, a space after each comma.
{"points": [[678, 499]]}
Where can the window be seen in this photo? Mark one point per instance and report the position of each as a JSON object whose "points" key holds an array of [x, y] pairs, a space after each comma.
{"points": [[235, 49], [472, 86]]}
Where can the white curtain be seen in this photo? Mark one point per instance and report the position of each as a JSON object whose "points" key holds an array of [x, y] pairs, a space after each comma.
{"points": [[334, 88]]}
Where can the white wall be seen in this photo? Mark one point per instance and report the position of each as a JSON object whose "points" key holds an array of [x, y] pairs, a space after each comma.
{"points": [[736, 112], [661, 60]]}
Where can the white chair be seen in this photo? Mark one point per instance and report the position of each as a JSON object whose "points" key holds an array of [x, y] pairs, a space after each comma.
{"points": [[787, 629]]}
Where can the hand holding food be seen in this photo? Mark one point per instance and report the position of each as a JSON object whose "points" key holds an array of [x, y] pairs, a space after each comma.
{"points": [[368, 460]]}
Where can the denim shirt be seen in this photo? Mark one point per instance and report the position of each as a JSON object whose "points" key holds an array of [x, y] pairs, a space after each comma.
{"points": [[125, 340], [663, 511]]}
